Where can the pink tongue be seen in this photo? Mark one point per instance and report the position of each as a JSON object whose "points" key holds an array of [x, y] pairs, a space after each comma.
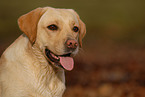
{"points": [[67, 63]]}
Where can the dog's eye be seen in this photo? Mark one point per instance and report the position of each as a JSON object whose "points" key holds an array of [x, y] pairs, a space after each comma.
{"points": [[52, 27], [75, 29]]}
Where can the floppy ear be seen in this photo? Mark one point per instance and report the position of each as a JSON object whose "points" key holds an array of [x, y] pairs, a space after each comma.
{"points": [[82, 31], [28, 23]]}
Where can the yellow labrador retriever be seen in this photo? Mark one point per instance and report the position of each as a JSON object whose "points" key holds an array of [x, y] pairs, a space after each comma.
{"points": [[33, 66]]}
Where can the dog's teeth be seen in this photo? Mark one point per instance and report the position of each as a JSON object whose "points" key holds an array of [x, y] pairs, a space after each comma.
{"points": [[54, 56]]}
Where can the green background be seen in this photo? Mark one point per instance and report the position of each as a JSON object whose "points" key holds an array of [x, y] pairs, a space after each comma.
{"points": [[117, 20]]}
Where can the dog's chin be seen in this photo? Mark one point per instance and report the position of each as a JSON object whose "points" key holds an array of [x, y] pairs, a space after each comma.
{"points": [[64, 61]]}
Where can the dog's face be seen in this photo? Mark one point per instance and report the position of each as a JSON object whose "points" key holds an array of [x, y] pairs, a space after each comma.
{"points": [[57, 32]]}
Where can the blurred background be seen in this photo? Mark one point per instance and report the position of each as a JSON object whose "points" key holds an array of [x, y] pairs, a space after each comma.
{"points": [[112, 60]]}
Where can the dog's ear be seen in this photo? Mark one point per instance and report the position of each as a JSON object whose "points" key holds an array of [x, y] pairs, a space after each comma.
{"points": [[82, 31], [28, 23]]}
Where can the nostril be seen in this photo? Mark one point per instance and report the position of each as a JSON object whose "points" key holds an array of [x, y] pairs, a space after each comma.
{"points": [[71, 44]]}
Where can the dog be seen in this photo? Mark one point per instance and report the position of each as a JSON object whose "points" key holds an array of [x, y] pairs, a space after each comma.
{"points": [[34, 64]]}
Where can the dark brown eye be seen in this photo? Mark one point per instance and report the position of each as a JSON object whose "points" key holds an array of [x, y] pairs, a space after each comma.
{"points": [[52, 27], [75, 29]]}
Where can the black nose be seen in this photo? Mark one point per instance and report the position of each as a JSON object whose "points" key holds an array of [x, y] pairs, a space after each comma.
{"points": [[71, 44]]}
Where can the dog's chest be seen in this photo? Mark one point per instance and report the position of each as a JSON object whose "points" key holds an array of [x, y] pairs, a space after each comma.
{"points": [[54, 87], [57, 85]]}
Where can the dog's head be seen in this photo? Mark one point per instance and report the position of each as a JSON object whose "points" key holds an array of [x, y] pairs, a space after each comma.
{"points": [[57, 32]]}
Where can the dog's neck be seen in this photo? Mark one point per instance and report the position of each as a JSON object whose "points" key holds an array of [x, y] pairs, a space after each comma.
{"points": [[48, 77]]}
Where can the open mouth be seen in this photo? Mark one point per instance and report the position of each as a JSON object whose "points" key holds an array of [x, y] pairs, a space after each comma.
{"points": [[64, 61]]}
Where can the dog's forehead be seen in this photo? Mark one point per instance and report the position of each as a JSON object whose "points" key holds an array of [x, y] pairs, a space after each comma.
{"points": [[53, 14]]}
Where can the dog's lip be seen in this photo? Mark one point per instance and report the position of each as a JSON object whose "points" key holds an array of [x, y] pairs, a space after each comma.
{"points": [[55, 58], [52, 56]]}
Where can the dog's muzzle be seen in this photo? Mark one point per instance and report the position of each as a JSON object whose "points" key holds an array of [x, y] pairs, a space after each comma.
{"points": [[65, 61]]}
